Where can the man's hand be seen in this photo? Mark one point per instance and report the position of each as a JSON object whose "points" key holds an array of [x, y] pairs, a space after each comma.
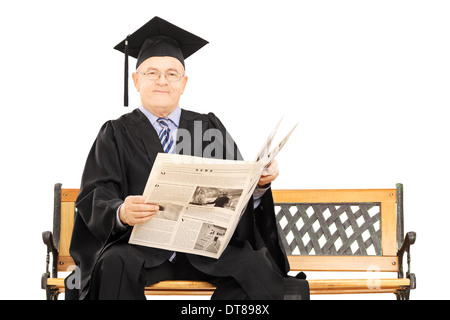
{"points": [[269, 174], [134, 210]]}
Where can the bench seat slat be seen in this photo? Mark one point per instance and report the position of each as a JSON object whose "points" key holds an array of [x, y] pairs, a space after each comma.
{"points": [[317, 286], [344, 263]]}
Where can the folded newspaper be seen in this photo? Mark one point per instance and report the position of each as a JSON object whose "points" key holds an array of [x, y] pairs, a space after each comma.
{"points": [[201, 200]]}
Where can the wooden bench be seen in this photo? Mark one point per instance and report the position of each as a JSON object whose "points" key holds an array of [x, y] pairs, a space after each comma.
{"points": [[348, 230]]}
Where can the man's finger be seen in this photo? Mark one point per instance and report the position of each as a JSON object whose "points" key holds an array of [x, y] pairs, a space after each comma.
{"points": [[143, 207]]}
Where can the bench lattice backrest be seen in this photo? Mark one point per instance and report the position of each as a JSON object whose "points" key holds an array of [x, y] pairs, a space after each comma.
{"points": [[340, 230], [330, 229]]}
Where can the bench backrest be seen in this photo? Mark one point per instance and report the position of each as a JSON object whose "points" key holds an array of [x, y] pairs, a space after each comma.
{"points": [[324, 230]]}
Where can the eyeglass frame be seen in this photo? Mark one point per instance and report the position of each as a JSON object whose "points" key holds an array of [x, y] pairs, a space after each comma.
{"points": [[160, 73]]}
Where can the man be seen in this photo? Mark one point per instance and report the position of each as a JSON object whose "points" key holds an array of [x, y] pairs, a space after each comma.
{"points": [[110, 203]]}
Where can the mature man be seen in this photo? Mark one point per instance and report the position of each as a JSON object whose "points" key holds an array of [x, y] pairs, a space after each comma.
{"points": [[110, 203]]}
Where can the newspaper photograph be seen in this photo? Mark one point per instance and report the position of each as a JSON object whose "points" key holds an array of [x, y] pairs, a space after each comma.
{"points": [[201, 200]]}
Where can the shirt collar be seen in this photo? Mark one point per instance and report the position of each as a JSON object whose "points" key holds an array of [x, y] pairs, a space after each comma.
{"points": [[174, 116]]}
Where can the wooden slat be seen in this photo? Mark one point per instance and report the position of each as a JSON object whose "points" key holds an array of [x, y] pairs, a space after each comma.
{"points": [[322, 286], [352, 291], [67, 218], [67, 214], [69, 195], [357, 284], [193, 292], [56, 282], [65, 263], [344, 263], [334, 196], [298, 195], [388, 228], [181, 288]]}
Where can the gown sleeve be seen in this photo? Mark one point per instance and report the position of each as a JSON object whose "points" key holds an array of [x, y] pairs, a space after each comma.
{"points": [[101, 191]]}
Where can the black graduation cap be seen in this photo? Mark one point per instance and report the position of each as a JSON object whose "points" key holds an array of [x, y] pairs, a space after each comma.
{"points": [[158, 37]]}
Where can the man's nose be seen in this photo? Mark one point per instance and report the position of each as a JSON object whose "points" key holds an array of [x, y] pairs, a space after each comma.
{"points": [[162, 79]]}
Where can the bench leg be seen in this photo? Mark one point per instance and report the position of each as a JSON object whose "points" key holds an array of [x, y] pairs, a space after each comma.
{"points": [[51, 293], [403, 293]]}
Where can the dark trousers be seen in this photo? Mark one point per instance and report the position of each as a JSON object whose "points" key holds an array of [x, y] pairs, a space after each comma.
{"points": [[116, 276]]}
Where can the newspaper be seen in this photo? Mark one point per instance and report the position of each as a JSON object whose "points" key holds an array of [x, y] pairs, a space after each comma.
{"points": [[201, 200]]}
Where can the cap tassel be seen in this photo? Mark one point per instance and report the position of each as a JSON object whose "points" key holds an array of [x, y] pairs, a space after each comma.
{"points": [[125, 98]]}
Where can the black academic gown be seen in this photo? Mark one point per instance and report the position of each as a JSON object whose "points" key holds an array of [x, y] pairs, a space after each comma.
{"points": [[119, 164]]}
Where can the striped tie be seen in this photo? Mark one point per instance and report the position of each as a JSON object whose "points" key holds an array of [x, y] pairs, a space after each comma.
{"points": [[168, 146], [165, 136]]}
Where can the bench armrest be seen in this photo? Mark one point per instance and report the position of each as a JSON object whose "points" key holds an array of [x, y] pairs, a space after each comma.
{"points": [[409, 240], [47, 237]]}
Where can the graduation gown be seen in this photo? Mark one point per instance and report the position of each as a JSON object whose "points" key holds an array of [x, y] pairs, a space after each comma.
{"points": [[119, 164]]}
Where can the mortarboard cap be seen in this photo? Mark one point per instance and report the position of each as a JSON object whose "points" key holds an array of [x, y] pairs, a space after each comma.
{"points": [[158, 38]]}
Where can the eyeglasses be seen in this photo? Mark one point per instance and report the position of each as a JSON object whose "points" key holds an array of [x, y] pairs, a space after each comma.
{"points": [[171, 75]]}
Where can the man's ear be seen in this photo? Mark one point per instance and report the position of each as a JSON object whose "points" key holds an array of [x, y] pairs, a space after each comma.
{"points": [[185, 79], [136, 81]]}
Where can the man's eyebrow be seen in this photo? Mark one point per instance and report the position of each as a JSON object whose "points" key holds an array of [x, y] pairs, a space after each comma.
{"points": [[168, 69]]}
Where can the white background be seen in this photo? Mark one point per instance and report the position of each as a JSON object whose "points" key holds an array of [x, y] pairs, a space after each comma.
{"points": [[368, 82]]}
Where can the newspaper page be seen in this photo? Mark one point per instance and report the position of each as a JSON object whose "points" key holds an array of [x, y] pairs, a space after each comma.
{"points": [[201, 200]]}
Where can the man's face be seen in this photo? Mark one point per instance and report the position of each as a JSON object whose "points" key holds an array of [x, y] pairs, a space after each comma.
{"points": [[160, 96]]}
